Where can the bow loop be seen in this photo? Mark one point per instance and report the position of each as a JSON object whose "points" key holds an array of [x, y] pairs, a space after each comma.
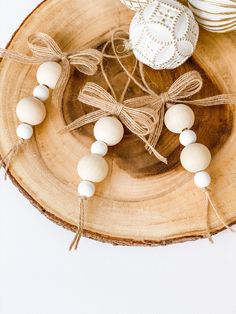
{"points": [[139, 121], [185, 86]]}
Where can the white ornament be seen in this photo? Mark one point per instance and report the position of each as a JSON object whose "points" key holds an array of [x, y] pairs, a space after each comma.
{"points": [[31, 110], [109, 130], [24, 131], [195, 157], [187, 137], [86, 189], [92, 168], [99, 148], [202, 179], [215, 15], [135, 4], [179, 117], [41, 92], [164, 34], [49, 73]]}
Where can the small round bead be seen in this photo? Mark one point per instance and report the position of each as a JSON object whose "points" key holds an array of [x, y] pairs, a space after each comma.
{"points": [[31, 110], [49, 73], [92, 168], [187, 137], [24, 131], [195, 157], [202, 179], [99, 148], [179, 117], [109, 130], [41, 92], [86, 189]]}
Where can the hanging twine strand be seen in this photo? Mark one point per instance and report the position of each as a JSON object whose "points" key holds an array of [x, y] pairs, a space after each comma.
{"points": [[80, 227], [44, 48], [210, 204], [10, 156]]}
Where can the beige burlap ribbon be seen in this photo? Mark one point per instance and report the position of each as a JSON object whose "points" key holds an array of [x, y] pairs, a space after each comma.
{"points": [[44, 48], [140, 121]]}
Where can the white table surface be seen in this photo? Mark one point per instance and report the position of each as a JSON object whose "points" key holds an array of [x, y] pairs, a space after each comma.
{"points": [[39, 276]]}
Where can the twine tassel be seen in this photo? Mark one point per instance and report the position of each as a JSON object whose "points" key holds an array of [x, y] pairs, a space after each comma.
{"points": [[8, 158], [75, 243], [211, 204]]}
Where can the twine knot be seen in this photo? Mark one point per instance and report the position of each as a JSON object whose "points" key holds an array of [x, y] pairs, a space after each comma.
{"points": [[164, 98], [117, 110]]}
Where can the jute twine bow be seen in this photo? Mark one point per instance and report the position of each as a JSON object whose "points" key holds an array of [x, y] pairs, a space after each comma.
{"points": [[44, 49], [140, 121]]}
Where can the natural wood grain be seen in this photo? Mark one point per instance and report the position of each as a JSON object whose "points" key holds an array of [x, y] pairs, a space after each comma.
{"points": [[142, 201]]}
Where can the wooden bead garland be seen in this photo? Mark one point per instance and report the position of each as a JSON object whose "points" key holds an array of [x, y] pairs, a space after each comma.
{"points": [[53, 73], [94, 168], [31, 110], [195, 157]]}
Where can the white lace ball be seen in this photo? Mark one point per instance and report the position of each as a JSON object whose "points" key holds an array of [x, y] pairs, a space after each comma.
{"points": [[164, 34], [135, 4], [215, 16]]}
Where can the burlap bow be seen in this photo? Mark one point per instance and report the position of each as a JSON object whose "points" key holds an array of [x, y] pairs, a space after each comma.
{"points": [[183, 88], [44, 48], [140, 121]]}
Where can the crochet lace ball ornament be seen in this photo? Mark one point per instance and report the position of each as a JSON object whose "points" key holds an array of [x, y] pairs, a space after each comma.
{"points": [[164, 34], [135, 4]]}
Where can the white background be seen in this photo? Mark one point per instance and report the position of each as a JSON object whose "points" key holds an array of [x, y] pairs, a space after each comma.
{"points": [[39, 276]]}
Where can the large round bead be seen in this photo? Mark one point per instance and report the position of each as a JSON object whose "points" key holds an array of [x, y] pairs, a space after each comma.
{"points": [[49, 73], [164, 34], [195, 157], [109, 130], [31, 110], [92, 168], [178, 118]]}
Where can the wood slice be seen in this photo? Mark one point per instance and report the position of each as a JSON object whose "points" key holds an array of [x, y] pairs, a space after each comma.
{"points": [[142, 202]]}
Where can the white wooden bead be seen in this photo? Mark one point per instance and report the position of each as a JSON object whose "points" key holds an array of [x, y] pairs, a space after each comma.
{"points": [[109, 130], [179, 117], [187, 137], [24, 131], [202, 179], [92, 168], [49, 73], [195, 157], [86, 189], [41, 92], [99, 148], [31, 110]]}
